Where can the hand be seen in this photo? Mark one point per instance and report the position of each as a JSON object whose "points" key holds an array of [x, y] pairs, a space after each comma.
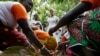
{"points": [[51, 31]]}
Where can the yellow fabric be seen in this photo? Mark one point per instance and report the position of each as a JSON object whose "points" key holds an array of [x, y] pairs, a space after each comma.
{"points": [[47, 40], [41, 34], [51, 43], [43, 41]]}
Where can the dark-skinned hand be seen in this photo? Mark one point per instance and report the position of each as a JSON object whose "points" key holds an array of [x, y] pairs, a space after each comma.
{"points": [[51, 31]]}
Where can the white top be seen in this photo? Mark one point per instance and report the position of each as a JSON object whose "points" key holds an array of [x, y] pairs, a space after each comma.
{"points": [[67, 35], [6, 16], [52, 21], [35, 23]]}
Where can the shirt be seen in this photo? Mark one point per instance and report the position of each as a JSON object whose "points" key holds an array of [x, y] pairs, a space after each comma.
{"points": [[52, 21], [35, 23], [10, 12]]}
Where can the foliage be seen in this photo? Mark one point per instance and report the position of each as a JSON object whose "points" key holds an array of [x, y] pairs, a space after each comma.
{"points": [[60, 7]]}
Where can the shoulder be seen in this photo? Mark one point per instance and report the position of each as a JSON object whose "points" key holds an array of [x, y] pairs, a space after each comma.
{"points": [[95, 3], [19, 11], [18, 6], [56, 17]]}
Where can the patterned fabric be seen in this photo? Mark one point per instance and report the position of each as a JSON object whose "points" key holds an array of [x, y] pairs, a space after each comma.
{"points": [[77, 36], [91, 30], [11, 37]]}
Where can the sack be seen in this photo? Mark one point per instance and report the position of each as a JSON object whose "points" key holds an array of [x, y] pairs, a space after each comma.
{"points": [[51, 43]]}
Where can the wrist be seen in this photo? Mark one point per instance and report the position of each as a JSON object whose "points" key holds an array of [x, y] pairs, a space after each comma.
{"points": [[55, 28]]}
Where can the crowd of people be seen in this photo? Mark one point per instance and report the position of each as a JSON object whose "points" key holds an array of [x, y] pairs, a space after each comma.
{"points": [[77, 33]]}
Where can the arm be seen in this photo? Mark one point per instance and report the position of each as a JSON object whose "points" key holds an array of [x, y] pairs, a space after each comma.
{"points": [[72, 14], [47, 24], [41, 27], [28, 32], [31, 37], [20, 15]]}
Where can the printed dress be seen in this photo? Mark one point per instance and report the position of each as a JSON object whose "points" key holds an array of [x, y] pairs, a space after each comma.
{"points": [[86, 30]]}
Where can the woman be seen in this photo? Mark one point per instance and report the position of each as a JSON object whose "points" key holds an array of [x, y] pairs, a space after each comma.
{"points": [[81, 7], [13, 14]]}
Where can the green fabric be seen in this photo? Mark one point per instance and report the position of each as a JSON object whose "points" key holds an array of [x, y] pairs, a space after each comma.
{"points": [[93, 15], [94, 26], [74, 41], [83, 41]]}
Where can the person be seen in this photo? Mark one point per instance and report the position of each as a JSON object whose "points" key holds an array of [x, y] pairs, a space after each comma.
{"points": [[82, 6], [12, 15], [51, 22], [36, 21]]}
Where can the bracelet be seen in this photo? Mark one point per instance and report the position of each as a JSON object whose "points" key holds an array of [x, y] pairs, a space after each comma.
{"points": [[43, 47]]}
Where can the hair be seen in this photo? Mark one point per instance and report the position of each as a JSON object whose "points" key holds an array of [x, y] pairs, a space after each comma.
{"points": [[26, 3], [51, 9], [35, 14], [29, 1]]}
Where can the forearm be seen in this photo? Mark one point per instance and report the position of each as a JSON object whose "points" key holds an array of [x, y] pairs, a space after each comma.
{"points": [[41, 27], [29, 33], [33, 39], [72, 14]]}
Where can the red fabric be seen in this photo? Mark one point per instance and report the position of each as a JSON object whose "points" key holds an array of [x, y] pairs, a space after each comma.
{"points": [[69, 52], [63, 39], [12, 37]]}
